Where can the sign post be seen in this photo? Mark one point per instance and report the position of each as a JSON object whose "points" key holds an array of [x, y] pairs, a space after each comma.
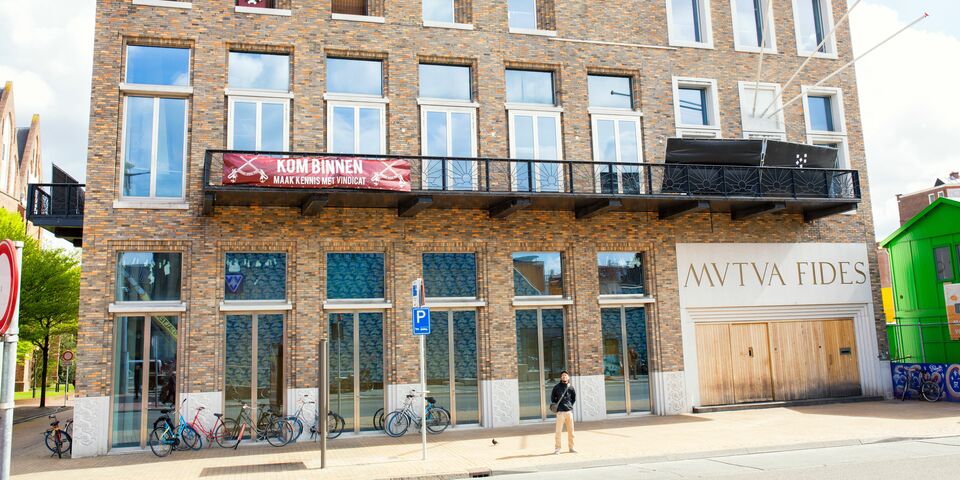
{"points": [[421, 328], [67, 357], [10, 256]]}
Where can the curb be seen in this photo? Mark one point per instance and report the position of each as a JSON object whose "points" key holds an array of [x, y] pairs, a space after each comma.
{"points": [[44, 414]]}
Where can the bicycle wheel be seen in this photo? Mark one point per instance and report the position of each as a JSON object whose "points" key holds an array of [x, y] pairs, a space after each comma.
{"points": [[48, 440], [297, 425], [189, 439], [279, 433], [160, 442], [65, 444], [397, 423], [378, 419], [227, 433], [930, 391], [437, 420], [334, 425]]}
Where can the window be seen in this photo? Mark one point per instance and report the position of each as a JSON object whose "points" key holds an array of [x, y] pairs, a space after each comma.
{"points": [[814, 20], [953, 193], [255, 276], [259, 85], [527, 86], [148, 277], [689, 23], [823, 110], [438, 11], [696, 107], [541, 356], [451, 356], [537, 274], [610, 92], [259, 71], [450, 275], [941, 256], [349, 7], [939, 194], [616, 134], [930, 198], [355, 276], [448, 130], [534, 131], [158, 65], [355, 362], [821, 113], [756, 105], [522, 14], [253, 367], [620, 273], [355, 106], [625, 360], [751, 29]]}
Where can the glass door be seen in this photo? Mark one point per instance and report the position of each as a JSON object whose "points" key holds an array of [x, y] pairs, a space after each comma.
{"points": [[452, 364], [616, 143], [541, 356], [536, 136], [145, 380], [253, 364], [355, 366], [625, 367], [449, 133]]}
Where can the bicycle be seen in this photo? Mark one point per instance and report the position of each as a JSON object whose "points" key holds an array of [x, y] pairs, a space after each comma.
{"points": [[202, 432], [334, 422], [435, 418], [270, 427], [929, 389], [57, 439], [378, 419]]}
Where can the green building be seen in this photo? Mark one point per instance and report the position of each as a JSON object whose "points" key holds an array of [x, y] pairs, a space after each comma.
{"points": [[924, 256]]}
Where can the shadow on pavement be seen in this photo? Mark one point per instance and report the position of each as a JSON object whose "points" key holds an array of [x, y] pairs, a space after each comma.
{"points": [[888, 409]]}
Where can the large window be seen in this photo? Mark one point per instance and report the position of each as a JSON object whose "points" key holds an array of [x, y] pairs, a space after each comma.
{"points": [[253, 364], [823, 110], [813, 20], [355, 106], [689, 23], [696, 107], [522, 14], [259, 87], [620, 273], [355, 365], [616, 134], [440, 11], [537, 274], [541, 356], [450, 275], [148, 277], [353, 276], [534, 131], [757, 107], [448, 123], [255, 276], [750, 25], [451, 354], [148, 65], [625, 368]]}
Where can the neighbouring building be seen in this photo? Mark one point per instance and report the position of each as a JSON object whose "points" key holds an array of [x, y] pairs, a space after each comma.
{"points": [[910, 204], [263, 176], [20, 158]]}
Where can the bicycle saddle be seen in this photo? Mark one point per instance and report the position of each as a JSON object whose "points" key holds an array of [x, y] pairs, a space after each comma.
{"points": [[218, 415], [165, 411], [201, 408], [431, 400]]}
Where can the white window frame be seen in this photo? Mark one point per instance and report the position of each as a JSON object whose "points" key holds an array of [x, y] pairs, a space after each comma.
{"points": [[713, 104], [826, 10], [152, 198], [532, 110], [627, 115], [836, 106], [536, 26], [930, 198], [745, 88], [706, 30], [769, 29], [357, 102], [940, 194], [150, 87], [259, 101], [468, 108], [453, 14]]}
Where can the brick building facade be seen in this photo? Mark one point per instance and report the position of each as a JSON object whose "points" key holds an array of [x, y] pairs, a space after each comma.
{"points": [[570, 40]]}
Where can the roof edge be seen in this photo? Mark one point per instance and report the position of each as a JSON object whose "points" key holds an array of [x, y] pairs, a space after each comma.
{"points": [[916, 218]]}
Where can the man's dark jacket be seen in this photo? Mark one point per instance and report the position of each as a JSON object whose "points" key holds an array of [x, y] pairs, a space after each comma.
{"points": [[568, 400]]}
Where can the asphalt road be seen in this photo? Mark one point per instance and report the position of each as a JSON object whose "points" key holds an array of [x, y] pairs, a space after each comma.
{"points": [[926, 458]]}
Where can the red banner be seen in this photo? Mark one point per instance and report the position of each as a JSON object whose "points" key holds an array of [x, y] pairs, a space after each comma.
{"points": [[317, 172]]}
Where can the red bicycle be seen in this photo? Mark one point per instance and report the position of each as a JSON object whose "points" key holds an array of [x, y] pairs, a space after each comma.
{"points": [[211, 435]]}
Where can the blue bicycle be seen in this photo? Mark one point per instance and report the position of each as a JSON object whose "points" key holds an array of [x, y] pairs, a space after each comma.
{"points": [[166, 437]]}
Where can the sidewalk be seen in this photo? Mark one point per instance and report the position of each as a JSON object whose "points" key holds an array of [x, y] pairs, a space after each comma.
{"points": [[525, 448], [29, 408]]}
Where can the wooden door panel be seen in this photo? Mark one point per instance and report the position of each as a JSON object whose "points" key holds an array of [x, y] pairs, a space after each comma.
{"points": [[750, 353], [714, 365], [797, 360], [840, 352]]}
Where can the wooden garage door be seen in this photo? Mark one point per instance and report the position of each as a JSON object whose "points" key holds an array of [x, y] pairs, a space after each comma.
{"points": [[733, 361]]}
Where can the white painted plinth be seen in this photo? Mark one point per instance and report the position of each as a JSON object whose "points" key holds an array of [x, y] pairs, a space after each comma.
{"points": [[212, 403], [501, 402], [297, 397], [669, 394], [397, 394], [591, 398], [91, 419]]}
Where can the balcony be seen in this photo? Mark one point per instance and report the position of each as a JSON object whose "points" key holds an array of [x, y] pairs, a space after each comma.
{"points": [[503, 186], [58, 208]]}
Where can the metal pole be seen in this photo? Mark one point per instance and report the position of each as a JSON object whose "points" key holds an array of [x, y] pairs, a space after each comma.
{"points": [[423, 399], [324, 406], [66, 386], [8, 378]]}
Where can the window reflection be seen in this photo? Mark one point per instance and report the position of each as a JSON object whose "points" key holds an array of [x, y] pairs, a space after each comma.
{"points": [[537, 273], [620, 273], [148, 276], [449, 82], [261, 71], [610, 92], [158, 65], [526, 86], [522, 14], [362, 77]]}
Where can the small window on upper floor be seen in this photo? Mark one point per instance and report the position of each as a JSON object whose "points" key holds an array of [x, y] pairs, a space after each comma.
{"points": [[259, 71], [760, 110], [148, 65], [447, 82], [350, 7], [693, 106], [440, 11], [522, 14], [689, 23], [528, 86], [610, 92], [751, 29], [696, 107], [930, 198], [813, 20], [355, 77], [939, 194], [821, 113]]}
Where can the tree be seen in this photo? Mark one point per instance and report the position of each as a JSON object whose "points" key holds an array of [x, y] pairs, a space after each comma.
{"points": [[49, 291]]}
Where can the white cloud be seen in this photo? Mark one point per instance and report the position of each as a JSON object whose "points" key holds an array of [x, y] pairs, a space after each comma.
{"points": [[908, 107]]}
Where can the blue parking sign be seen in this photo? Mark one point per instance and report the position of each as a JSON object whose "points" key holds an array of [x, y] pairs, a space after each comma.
{"points": [[421, 321]]}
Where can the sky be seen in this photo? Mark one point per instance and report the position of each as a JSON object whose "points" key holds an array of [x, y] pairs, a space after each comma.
{"points": [[908, 112]]}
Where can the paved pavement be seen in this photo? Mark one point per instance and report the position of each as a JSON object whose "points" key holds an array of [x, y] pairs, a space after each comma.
{"points": [[643, 440]]}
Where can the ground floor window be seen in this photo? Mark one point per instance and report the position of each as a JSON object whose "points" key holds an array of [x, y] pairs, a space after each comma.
{"points": [[541, 357], [253, 366], [451, 355], [145, 375], [625, 368], [355, 366]]}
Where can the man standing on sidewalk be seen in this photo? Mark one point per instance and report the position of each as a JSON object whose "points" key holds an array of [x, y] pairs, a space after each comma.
{"points": [[563, 396]]}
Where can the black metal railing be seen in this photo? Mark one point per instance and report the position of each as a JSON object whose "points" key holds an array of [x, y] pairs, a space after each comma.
{"points": [[54, 200], [505, 175]]}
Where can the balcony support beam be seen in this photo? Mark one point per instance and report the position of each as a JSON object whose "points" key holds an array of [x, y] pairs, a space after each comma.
{"points": [[314, 204], [209, 199], [506, 208], [818, 213], [598, 208], [742, 213], [672, 211], [413, 206]]}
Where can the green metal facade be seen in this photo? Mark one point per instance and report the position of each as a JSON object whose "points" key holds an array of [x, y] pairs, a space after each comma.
{"points": [[920, 334]]}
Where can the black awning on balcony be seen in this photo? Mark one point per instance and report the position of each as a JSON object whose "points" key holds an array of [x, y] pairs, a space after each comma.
{"points": [[758, 153]]}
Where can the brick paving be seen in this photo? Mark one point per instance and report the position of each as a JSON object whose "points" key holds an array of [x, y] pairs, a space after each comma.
{"points": [[519, 449]]}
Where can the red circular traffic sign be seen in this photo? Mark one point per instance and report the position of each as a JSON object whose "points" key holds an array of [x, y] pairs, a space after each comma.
{"points": [[9, 284], [67, 356]]}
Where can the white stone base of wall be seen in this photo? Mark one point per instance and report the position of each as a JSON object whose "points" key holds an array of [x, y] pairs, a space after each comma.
{"points": [[295, 399], [211, 401], [591, 401], [91, 420], [886, 380], [500, 402], [669, 393], [397, 394]]}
